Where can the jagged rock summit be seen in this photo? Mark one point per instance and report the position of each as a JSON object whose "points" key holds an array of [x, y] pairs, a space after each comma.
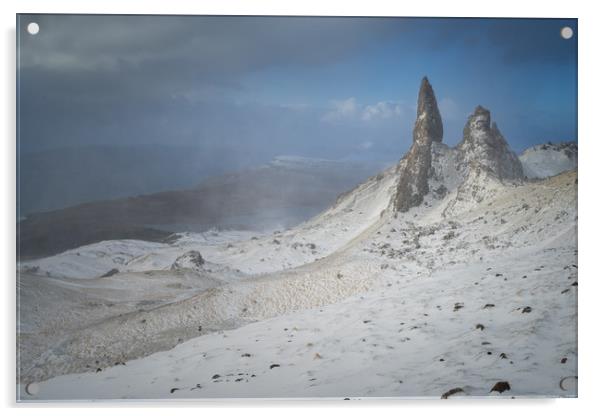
{"points": [[484, 144], [482, 147], [428, 123], [415, 166]]}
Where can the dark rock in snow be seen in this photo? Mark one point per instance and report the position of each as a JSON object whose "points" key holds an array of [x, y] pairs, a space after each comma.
{"points": [[110, 273], [452, 392], [500, 387]]}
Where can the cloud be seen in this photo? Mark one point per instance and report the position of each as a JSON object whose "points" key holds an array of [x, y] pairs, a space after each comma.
{"points": [[342, 110], [382, 110], [351, 110], [154, 55], [93, 79], [366, 145]]}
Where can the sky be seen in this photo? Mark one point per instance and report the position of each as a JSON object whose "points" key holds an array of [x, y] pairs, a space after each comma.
{"points": [[335, 88]]}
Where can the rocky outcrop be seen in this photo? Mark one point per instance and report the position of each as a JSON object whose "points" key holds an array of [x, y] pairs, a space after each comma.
{"points": [[483, 143], [480, 183], [191, 260], [415, 166], [549, 159]]}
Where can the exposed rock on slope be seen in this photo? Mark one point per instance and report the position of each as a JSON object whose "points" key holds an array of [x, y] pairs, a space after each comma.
{"points": [[414, 167], [480, 184], [190, 260], [483, 143]]}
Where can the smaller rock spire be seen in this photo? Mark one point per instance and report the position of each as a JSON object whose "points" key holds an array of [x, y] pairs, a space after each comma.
{"points": [[484, 144]]}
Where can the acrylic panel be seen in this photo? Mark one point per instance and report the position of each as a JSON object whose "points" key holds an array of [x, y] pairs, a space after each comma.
{"points": [[296, 207]]}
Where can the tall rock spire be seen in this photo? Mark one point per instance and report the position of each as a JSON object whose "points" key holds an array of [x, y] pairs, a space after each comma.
{"points": [[415, 166], [428, 120], [483, 143]]}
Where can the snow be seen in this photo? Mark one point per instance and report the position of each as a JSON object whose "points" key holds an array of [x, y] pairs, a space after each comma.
{"points": [[247, 251], [358, 302], [542, 161], [403, 340]]}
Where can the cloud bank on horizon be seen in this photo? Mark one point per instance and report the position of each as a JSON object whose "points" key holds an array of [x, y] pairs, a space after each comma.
{"points": [[313, 86]]}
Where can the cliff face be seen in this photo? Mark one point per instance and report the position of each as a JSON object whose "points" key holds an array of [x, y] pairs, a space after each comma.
{"points": [[415, 166]]}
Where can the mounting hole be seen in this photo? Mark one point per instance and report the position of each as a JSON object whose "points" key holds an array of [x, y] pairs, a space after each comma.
{"points": [[566, 32], [33, 28], [32, 389]]}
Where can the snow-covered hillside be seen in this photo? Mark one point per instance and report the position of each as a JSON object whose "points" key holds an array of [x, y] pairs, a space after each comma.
{"points": [[471, 284], [549, 159], [372, 319]]}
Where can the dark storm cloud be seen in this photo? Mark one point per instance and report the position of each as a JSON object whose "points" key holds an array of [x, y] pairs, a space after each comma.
{"points": [[535, 41], [158, 54], [110, 79], [517, 41], [180, 79]]}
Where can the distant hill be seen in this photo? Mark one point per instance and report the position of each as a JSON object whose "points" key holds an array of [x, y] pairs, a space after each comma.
{"points": [[279, 194], [58, 178]]}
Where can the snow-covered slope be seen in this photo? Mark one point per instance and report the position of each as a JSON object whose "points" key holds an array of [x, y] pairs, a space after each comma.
{"points": [[549, 159], [393, 314]]}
